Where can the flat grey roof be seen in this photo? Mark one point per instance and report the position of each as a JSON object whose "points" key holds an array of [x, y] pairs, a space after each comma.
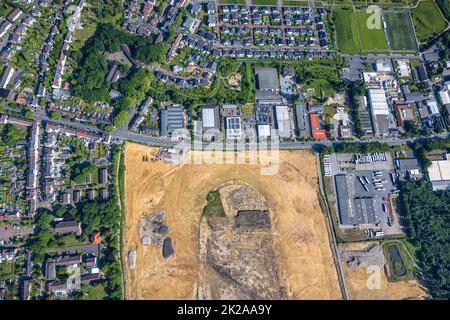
{"points": [[365, 210], [171, 119], [356, 205], [382, 124], [267, 79], [408, 164], [344, 194]]}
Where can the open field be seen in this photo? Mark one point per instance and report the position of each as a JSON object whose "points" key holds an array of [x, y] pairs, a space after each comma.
{"points": [[371, 39], [346, 32], [264, 2], [399, 30], [5, 9], [305, 266], [388, 3], [427, 20], [232, 1], [358, 278], [295, 3]]}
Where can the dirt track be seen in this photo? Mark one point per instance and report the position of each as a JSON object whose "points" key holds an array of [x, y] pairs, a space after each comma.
{"points": [[300, 236]]}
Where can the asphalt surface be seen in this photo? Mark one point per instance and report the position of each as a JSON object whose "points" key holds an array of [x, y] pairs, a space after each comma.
{"points": [[125, 135]]}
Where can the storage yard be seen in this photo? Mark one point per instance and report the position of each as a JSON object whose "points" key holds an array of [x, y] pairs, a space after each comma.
{"points": [[296, 247]]}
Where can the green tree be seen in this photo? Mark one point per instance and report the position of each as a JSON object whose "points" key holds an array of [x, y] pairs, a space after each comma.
{"points": [[11, 135]]}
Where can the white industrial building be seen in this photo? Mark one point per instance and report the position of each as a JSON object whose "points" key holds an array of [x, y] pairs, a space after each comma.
{"points": [[283, 121], [263, 131], [380, 110], [210, 118], [378, 102], [6, 77], [432, 106], [439, 173], [444, 96]]}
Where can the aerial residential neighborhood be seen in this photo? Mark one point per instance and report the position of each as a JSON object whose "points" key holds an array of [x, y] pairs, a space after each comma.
{"points": [[136, 140]]}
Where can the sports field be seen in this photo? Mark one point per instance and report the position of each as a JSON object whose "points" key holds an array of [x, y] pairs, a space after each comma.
{"points": [[427, 20], [399, 31], [346, 32], [371, 39]]}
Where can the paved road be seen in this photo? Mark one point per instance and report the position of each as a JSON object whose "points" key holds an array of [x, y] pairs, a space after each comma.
{"points": [[330, 225], [123, 134]]}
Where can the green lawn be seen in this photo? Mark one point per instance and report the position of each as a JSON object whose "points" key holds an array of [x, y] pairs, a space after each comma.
{"points": [[295, 3], [399, 30], [81, 35], [371, 39], [345, 1], [232, 1], [214, 207], [427, 20], [388, 3], [264, 2], [5, 9], [96, 292], [346, 33]]}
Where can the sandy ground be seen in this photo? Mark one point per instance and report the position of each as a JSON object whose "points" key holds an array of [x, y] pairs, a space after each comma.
{"points": [[357, 282], [300, 237]]}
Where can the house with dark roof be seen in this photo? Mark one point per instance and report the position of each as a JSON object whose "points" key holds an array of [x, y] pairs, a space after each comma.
{"points": [[14, 15], [67, 227], [409, 169]]}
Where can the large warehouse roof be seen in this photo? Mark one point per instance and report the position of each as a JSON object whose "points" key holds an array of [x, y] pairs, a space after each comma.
{"points": [[283, 121], [210, 117], [345, 194], [267, 79], [378, 103], [439, 170], [353, 209]]}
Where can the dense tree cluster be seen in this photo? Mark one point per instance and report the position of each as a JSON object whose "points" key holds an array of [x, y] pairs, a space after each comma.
{"points": [[80, 173], [362, 148], [41, 240], [101, 216], [106, 9], [10, 135], [444, 5], [422, 149], [427, 218], [90, 83], [356, 89]]}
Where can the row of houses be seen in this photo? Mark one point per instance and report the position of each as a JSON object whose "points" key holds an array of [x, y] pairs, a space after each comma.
{"points": [[267, 15], [73, 23], [10, 19], [33, 156], [140, 18], [58, 287]]}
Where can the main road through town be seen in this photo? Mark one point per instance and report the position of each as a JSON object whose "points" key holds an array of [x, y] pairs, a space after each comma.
{"points": [[123, 134]]}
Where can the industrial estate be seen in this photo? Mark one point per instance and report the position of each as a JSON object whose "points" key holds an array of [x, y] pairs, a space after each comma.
{"points": [[224, 149]]}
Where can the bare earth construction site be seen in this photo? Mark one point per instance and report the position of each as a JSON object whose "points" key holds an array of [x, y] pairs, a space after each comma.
{"points": [[270, 243]]}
